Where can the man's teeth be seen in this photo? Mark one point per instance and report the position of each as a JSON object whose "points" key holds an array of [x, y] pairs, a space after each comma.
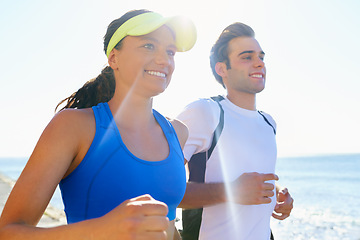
{"points": [[257, 75], [159, 74]]}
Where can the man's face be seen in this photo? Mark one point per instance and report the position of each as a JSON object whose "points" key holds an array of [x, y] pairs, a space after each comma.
{"points": [[247, 70]]}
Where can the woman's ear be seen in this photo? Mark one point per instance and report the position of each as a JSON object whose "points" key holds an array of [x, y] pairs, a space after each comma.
{"points": [[221, 69], [112, 60]]}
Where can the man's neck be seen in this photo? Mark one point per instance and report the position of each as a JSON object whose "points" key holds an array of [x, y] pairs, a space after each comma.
{"points": [[243, 100]]}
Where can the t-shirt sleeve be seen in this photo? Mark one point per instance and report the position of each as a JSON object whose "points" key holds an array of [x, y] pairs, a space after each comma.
{"points": [[201, 117]]}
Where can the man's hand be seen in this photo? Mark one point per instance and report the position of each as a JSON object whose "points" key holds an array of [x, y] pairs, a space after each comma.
{"points": [[252, 189], [284, 204]]}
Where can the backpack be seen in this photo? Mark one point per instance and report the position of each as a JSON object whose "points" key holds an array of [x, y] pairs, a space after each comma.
{"points": [[191, 218]]}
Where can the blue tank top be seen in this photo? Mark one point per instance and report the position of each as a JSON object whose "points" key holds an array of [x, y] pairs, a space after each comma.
{"points": [[110, 174]]}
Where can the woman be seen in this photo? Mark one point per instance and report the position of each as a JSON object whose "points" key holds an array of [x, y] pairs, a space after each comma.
{"points": [[108, 145]]}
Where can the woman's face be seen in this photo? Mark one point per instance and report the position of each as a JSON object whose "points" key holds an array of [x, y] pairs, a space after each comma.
{"points": [[145, 63]]}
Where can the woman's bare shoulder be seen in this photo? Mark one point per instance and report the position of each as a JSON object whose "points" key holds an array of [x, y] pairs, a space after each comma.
{"points": [[74, 114], [71, 124], [73, 118]]}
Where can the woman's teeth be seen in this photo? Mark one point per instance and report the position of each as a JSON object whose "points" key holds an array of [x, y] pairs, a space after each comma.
{"points": [[158, 74]]}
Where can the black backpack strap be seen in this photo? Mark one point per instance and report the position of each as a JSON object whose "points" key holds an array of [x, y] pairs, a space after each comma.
{"points": [[219, 127], [267, 121], [191, 218], [197, 163]]}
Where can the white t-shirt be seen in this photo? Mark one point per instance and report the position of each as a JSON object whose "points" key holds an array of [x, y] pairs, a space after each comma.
{"points": [[246, 144]]}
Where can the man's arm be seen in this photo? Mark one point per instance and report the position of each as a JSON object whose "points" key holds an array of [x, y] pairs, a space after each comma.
{"points": [[198, 195], [248, 189]]}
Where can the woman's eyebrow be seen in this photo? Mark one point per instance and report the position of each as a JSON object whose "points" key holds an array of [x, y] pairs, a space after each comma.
{"points": [[147, 38]]}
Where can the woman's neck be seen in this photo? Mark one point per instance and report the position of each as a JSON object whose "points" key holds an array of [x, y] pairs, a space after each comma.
{"points": [[131, 111]]}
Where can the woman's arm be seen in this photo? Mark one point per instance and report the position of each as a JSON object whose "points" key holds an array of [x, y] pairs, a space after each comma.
{"points": [[139, 218], [59, 150], [50, 160]]}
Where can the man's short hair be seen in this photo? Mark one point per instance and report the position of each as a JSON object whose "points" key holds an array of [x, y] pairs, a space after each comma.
{"points": [[219, 51]]}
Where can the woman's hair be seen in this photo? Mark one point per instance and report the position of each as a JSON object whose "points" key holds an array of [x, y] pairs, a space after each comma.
{"points": [[219, 52], [101, 88]]}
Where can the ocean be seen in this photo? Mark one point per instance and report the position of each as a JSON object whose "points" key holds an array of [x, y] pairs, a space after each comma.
{"points": [[326, 190]]}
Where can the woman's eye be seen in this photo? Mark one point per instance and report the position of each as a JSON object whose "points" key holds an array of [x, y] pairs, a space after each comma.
{"points": [[149, 46], [171, 52]]}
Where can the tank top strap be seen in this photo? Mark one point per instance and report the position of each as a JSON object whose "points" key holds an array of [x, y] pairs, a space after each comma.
{"points": [[102, 115], [169, 132]]}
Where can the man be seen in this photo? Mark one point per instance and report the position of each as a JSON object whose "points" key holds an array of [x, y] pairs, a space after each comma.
{"points": [[239, 195]]}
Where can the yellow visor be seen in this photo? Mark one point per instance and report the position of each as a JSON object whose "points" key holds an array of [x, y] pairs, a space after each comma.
{"points": [[183, 28]]}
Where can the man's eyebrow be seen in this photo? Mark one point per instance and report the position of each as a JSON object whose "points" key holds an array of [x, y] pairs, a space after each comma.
{"points": [[251, 51]]}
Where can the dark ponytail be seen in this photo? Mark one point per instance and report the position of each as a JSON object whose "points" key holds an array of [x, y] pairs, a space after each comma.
{"points": [[94, 91], [101, 88]]}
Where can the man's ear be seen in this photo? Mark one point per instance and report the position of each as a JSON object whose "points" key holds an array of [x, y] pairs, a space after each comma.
{"points": [[112, 60], [221, 69]]}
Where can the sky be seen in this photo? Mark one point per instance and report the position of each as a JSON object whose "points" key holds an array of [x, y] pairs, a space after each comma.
{"points": [[49, 49]]}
